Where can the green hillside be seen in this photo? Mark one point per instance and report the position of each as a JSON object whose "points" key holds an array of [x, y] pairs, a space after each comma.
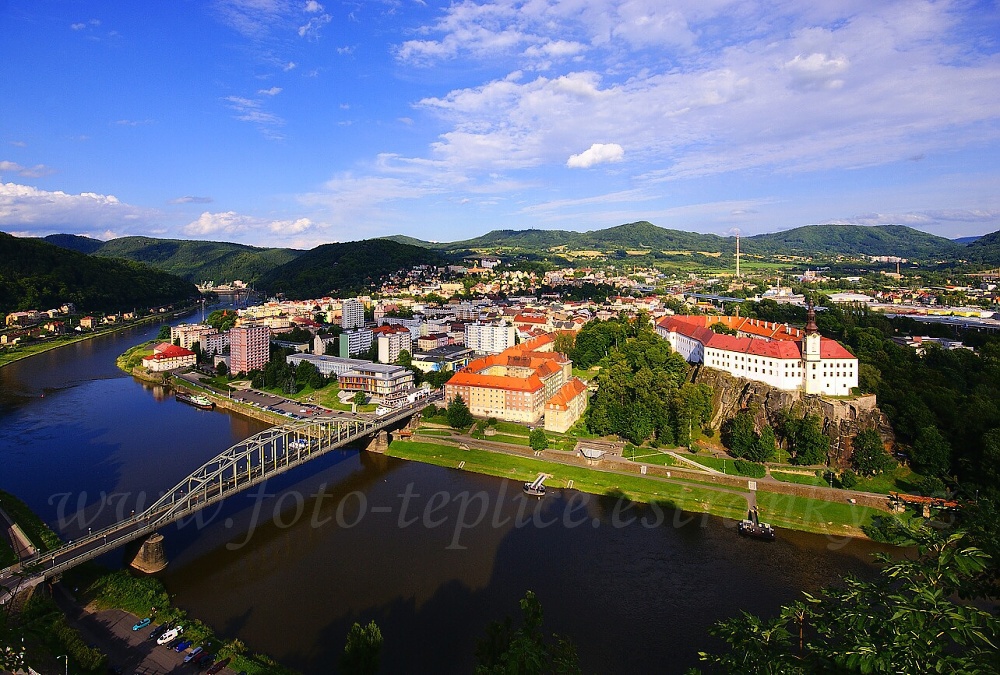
{"points": [[829, 240], [35, 274], [985, 250], [75, 242], [199, 261], [351, 267]]}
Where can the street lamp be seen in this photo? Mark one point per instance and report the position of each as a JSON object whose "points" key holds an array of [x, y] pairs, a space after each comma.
{"points": [[65, 656]]}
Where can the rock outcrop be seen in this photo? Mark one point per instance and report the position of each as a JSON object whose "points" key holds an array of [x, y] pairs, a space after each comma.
{"points": [[842, 418]]}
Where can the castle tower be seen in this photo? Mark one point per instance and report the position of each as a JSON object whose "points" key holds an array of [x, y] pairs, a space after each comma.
{"points": [[811, 372]]}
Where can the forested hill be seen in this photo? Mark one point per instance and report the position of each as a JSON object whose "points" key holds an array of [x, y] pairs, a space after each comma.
{"points": [[199, 261], [984, 250], [35, 274], [873, 240], [75, 242], [810, 240], [351, 267]]}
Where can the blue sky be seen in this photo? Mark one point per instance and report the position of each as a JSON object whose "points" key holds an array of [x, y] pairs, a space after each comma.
{"points": [[299, 122]]}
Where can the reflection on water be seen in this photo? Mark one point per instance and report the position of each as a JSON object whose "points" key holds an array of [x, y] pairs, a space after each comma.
{"points": [[433, 555]]}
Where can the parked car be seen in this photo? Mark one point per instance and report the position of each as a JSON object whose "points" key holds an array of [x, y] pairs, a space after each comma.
{"points": [[195, 653], [184, 644], [170, 635], [219, 666], [141, 624], [158, 631]]}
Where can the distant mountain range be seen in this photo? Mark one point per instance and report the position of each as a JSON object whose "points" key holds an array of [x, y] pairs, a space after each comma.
{"points": [[810, 240], [333, 268], [35, 274], [193, 260]]}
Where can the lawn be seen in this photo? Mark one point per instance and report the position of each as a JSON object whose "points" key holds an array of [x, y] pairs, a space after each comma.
{"points": [[901, 479], [40, 534], [638, 488], [801, 479], [647, 456], [814, 515]]}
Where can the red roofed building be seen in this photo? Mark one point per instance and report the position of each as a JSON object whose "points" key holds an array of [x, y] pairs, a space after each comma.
{"points": [[776, 354], [519, 383], [166, 356]]}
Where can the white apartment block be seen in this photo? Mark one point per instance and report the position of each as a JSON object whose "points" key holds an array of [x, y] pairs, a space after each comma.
{"points": [[489, 338], [186, 334], [391, 344], [352, 314]]}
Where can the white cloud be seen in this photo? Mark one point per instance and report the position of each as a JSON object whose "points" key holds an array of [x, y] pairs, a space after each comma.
{"points": [[313, 7], [37, 171], [598, 153], [249, 110], [226, 222], [273, 91], [42, 210], [78, 26], [311, 28], [230, 223], [289, 66], [189, 199]]}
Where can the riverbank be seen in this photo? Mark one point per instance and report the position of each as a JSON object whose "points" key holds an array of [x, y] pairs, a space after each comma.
{"points": [[674, 490], [8, 356]]}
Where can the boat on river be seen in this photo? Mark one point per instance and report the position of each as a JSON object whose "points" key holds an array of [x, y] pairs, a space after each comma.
{"points": [[197, 400], [535, 487], [753, 528]]}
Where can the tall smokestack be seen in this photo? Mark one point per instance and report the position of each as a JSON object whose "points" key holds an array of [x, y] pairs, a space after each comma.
{"points": [[737, 253]]}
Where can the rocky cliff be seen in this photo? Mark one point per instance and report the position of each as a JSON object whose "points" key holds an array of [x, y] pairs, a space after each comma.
{"points": [[842, 418]]}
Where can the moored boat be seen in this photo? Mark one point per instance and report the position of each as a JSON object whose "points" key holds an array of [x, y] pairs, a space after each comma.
{"points": [[535, 488], [753, 528], [197, 400]]}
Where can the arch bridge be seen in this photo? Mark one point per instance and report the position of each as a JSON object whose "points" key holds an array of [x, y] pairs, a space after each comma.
{"points": [[252, 461]]}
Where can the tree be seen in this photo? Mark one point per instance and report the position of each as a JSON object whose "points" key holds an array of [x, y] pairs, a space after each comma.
{"points": [[359, 398], [764, 447], [430, 411], [525, 650], [538, 440], [870, 457], [221, 369], [565, 342], [459, 416], [806, 440], [362, 652], [723, 329], [164, 334], [738, 434], [908, 620], [931, 453], [404, 359]]}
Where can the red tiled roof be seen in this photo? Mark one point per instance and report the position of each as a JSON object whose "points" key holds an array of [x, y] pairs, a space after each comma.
{"points": [[466, 379], [781, 345], [566, 394], [831, 349], [169, 352]]}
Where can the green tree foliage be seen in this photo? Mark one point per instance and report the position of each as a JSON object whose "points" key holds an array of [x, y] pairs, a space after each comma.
{"points": [[525, 650], [296, 334], [359, 398], [222, 369], [344, 268], [538, 440], [37, 275], [164, 334], [738, 434], [908, 620], [222, 319], [931, 452], [459, 416], [870, 457], [363, 650], [806, 440], [404, 359], [765, 446], [565, 342], [719, 327]]}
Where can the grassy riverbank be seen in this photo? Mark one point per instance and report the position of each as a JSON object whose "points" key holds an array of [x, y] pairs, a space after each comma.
{"points": [[797, 513], [11, 354], [40, 534]]}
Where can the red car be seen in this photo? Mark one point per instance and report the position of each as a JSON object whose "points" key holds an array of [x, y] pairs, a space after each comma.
{"points": [[219, 666]]}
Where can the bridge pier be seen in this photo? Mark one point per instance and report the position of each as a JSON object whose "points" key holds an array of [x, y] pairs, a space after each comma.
{"points": [[151, 557], [380, 442]]}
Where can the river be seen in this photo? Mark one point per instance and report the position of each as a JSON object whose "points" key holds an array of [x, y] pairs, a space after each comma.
{"points": [[431, 554]]}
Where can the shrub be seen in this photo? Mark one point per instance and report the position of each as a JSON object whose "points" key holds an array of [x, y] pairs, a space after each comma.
{"points": [[751, 469]]}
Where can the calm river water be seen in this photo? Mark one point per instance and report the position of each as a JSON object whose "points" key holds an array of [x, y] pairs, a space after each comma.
{"points": [[432, 555]]}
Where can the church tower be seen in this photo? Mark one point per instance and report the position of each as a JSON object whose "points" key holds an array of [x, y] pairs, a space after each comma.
{"points": [[811, 372]]}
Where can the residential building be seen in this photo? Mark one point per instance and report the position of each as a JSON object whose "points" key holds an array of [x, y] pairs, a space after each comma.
{"points": [[215, 343], [450, 357], [489, 338], [432, 341], [352, 314], [321, 341], [327, 365], [166, 356], [249, 348], [517, 384], [186, 334], [776, 354], [391, 341], [354, 342]]}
